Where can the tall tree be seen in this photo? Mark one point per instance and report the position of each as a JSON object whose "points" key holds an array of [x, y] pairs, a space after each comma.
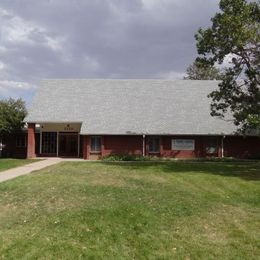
{"points": [[235, 32], [201, 71], [12, 114]]}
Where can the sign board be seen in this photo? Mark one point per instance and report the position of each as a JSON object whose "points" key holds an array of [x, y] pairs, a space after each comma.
{"points": [[183, 144]]}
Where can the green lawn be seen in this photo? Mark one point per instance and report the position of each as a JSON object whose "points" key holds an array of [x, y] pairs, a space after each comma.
{"points": [[141, 210], [6, 164]]}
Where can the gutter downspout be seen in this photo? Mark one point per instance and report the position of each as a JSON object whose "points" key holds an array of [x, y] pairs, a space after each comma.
{"points": [[222, 146], [78, 144], [40, 141], [57, 148], [143, 145]]}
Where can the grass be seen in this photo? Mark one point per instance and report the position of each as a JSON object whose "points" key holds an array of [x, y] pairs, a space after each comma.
{"points": [[137, 210], [6, 164]]}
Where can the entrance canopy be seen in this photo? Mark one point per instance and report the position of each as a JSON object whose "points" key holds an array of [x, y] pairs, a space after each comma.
{"points": [[60, 139], [60, 127]]}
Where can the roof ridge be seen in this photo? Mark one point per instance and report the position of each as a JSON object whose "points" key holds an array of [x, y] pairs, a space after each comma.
{"points": [[126, 79]]}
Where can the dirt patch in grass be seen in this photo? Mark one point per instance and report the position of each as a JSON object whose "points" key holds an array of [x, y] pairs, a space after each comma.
{"points": [[229, 217], [152, 178], [106, 179], [225, 231]]}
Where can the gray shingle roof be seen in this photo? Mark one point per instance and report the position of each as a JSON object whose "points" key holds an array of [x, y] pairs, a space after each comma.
{"points": [[129, 106]]}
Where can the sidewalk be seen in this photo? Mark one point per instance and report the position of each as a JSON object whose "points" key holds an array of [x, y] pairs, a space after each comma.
{"points": [[22, 170]]}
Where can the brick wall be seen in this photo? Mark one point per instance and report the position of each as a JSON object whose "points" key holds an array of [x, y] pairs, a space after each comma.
{"points": [[239, 147], [123, 145], [242, 147], [234, 146], [11, 149], [113, 145]]}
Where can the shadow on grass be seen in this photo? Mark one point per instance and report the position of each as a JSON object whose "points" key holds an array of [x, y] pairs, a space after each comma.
{"points": [[245, 170]]}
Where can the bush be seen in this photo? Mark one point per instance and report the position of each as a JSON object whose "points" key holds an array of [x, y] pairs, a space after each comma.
{"points": [[255, 157], [132, 157], [125, 157]]}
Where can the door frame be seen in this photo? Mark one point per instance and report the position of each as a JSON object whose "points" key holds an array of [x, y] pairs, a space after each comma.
{"points": [[70, 134]]}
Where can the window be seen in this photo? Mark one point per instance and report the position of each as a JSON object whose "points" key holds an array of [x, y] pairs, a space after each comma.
{"points": [[212, 145], [95, 145], [21, 141], [183, 144], [154, 144], [49, 142]]}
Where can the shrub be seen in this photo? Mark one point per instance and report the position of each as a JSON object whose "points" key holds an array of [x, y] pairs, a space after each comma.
{"points": [[125, 157], [255, 157]]}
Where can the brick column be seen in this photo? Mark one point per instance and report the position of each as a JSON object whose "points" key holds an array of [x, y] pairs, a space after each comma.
{"points": [[31, 140]]}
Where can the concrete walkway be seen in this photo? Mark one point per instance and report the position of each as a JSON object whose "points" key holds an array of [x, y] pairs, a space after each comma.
{"points": [[22, 170]]}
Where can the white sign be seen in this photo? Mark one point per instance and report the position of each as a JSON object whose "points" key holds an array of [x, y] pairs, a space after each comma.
{"points": [[183, 144]]}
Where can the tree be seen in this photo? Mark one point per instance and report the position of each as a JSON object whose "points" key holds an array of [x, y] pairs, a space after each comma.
{"points": [[235, 32], [12, 114], [201, 71]]}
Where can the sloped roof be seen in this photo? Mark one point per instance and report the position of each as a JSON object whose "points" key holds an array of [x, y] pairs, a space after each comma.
{"points": [[129, 106]]}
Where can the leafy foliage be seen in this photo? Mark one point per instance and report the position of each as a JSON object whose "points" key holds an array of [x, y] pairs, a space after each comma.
{"points": [[12, 113], [235, 33], [201, 71], [125, 157]]}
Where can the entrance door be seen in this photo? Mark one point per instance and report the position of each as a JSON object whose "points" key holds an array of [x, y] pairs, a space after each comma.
{"points": [[68, 144]]}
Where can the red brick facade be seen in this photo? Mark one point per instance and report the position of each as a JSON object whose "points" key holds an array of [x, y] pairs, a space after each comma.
{"points": [[242, 147], [230, 146], [238, 147], [113, 145], [14, 147]]}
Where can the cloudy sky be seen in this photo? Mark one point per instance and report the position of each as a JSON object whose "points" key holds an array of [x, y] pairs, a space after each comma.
{"points": [[96, 39]]}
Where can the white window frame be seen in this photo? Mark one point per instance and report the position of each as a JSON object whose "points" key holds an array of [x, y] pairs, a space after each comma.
{"points": [[149, 148], [209, 146], [95, 150], [182, 144], [19, 142]]}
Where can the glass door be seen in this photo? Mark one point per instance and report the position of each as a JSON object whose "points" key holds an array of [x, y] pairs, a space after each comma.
{"points": [[68, 144]]}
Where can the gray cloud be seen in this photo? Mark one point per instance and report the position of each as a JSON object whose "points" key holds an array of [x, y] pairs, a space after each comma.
{"points": [[96, 39]]}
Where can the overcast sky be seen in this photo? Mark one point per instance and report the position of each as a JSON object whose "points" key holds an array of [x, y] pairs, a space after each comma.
{"points": [[96, 39]]}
